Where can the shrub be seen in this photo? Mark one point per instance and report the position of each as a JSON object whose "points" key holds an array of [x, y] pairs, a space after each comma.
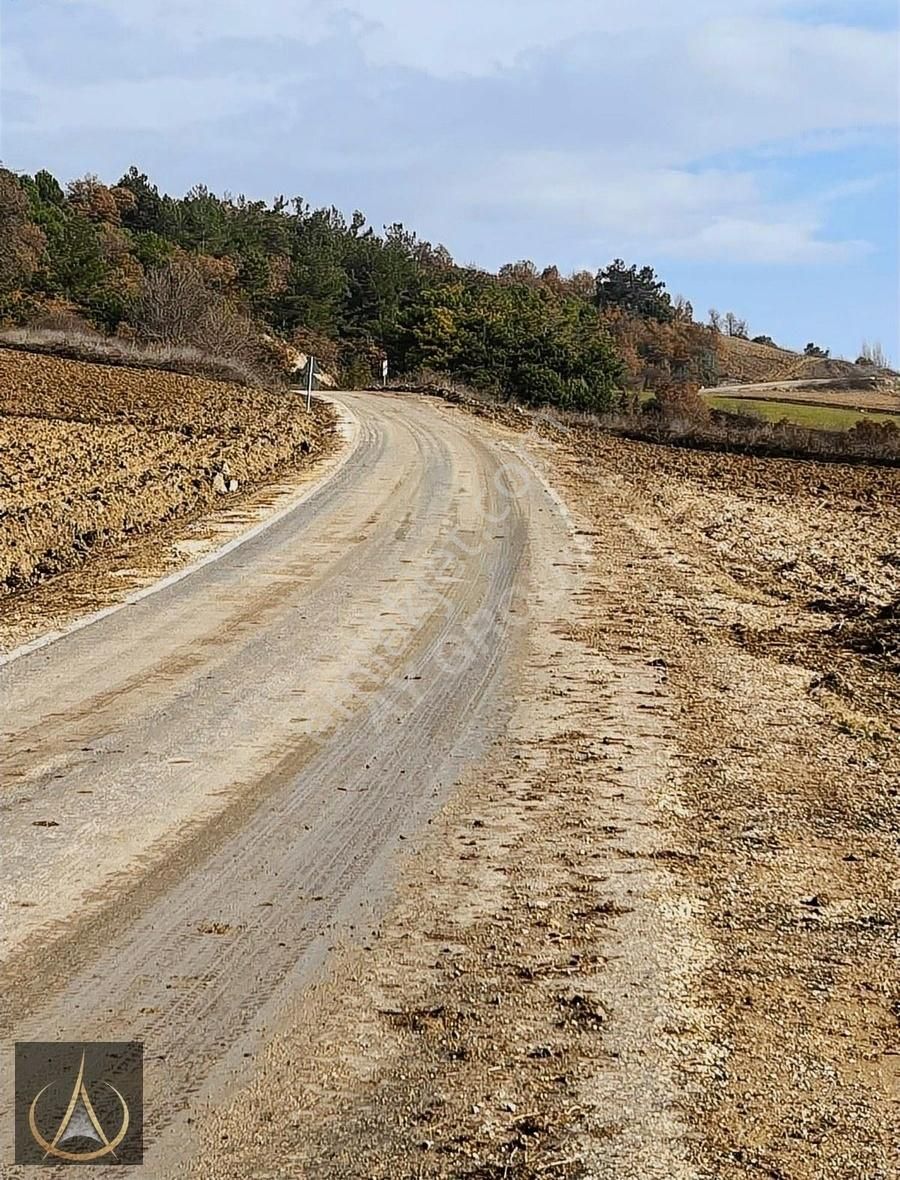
{"points": [[311, 343], [60, 315], [680, 403]]}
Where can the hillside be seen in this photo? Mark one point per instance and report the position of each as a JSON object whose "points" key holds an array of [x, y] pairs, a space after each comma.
{"points": [[744, 362], [233, 289], [228, 276]]}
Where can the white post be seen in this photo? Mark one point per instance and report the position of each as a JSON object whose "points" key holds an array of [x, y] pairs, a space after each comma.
{"points": [[310, 367]]}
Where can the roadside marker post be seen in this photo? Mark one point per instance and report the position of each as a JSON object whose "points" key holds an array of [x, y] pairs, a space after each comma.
{"points": [[310, 370]]}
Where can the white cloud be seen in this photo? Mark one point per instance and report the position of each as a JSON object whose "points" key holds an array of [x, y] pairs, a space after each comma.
{"points": [[763, 241], [437, 36], [591, 121], [153, 104], [592, 191], [706, 215], [791, 78]]}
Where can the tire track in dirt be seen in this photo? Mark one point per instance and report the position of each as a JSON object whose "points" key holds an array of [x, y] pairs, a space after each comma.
{"points": [[193, 929]]}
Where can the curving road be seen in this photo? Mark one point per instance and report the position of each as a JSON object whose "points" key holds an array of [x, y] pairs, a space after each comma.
{"points": [[206, 788]]}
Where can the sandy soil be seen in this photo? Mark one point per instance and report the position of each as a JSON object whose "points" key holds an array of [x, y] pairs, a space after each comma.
{"points": [[657, 936]]}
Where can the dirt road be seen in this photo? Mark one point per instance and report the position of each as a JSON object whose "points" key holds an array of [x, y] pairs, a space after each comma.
{"points": [[204, 789], [653, 936], [522, 806], [760, 386]]}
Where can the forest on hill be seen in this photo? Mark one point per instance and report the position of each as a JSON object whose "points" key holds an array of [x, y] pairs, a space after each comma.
{"points": [[229, 275]]}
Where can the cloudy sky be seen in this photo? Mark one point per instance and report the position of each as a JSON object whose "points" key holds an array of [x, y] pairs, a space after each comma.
{"points": [[747, 149]]}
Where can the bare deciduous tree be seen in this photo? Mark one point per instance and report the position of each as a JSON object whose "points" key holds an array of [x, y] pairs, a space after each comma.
{"points": [[177, 306], [684, 309], [173, 300], [872, 355], [735, 327]]}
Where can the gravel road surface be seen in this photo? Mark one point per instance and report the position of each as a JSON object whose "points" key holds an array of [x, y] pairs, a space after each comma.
{"points": [[205, 790]]}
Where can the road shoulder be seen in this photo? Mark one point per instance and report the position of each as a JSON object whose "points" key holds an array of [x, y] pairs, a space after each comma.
{"points": [[523, 1008], [653, 937]]}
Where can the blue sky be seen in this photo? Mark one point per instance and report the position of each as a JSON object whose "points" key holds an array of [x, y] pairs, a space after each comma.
{"points": [[747, 150]]}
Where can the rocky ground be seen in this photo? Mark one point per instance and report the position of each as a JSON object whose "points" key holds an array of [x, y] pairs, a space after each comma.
{"points": [[91, 455], [657, 936]]}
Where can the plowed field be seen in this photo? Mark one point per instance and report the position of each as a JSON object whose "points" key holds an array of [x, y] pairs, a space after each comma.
{"points": [[90, 454]]}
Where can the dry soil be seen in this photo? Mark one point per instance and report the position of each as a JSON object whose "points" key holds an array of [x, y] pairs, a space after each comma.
{"points": [[657, 935]]}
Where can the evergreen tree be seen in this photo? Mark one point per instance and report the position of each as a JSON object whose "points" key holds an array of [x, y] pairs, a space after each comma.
{"points": [[639, 292]]}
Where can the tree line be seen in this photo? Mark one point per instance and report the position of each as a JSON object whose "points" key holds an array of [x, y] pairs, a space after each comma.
{"points": [[224, 272]]}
